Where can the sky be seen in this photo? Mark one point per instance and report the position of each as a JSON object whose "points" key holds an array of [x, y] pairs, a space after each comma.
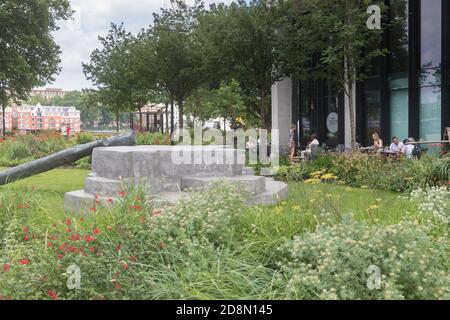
{"points": [[79, 37]]}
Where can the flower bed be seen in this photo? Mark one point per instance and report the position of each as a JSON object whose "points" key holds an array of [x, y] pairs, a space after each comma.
{"points": [[363, 170]]}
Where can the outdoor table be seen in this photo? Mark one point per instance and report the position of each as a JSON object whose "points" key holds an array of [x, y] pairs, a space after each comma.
{"points": [[389, 153]]}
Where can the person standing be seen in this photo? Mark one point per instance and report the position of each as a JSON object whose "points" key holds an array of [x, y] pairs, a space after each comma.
{"points": [[68, 131], [64, 131]]}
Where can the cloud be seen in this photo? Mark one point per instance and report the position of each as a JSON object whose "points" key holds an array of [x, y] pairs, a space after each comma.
{"points": [[93, 18]]}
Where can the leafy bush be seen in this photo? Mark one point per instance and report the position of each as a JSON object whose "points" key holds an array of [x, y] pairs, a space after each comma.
{"points": [[332, 263], [153, 139], [132, 251], [364, 170], [84, 138], [24, 148]]}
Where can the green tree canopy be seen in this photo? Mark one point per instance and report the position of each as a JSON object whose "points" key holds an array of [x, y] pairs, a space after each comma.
{"points": [[29, 56]]}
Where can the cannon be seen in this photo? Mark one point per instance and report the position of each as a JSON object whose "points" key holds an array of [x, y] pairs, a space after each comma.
{"points": [[64, 157]]}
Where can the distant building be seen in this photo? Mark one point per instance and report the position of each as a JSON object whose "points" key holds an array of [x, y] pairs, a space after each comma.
{"points": [[28, 118], [48, 93]]}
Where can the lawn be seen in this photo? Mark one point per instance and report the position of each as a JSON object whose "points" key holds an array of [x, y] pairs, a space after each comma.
{"points": [[51, 186], [49, 189]]}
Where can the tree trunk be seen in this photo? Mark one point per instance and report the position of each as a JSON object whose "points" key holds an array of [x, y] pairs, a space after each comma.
{"points": [[118, 121], [4, 120], [140, 119], [352, 117], [167, 118], [262, 107], [172, 117], [180, 113]]}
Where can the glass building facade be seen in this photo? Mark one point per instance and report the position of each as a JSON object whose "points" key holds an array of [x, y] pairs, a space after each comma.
{"points": [[407, 94]]}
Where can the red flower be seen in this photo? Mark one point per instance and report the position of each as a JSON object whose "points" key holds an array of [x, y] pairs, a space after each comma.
{"points": [[110, 200], [162, 245], [50, 245], [93, 209], [52, 294], [68, 222], [26, 238], [6, 267], [25, 229], [122, 194], [97, 196], [137, 208], [125, 266], [89, 239], [96, 231], [92, 249], [117, 286], [75, 237], [68, 230], [24, 262]]}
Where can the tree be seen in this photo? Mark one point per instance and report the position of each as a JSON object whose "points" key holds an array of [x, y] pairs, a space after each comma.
{"points": [[107, 70], [29, 56], [239, 40], [226, 102], [179, 56], [329, 40]]}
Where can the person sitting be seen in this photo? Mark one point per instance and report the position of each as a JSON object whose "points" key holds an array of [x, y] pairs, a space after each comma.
{"points": [[396, 145], [408, 149], [377, 142], [312, 149]]}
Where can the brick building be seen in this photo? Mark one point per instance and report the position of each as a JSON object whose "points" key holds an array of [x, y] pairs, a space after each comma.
{"points": [[28, 118]]}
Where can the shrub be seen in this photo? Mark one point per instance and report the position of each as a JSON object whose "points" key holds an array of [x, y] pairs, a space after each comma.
{"points": [[131, 251], [84, 138], [364, 170], [332, 263], [153, 139]]}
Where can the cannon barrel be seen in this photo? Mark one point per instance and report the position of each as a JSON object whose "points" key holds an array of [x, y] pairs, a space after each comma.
{"points": [[64, 157]]}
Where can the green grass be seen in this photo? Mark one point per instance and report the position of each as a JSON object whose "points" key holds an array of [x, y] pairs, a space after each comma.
{"points": [[51, 186], [49, 189]]}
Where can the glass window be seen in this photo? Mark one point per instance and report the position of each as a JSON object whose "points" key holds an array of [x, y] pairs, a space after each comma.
{"points": [[431, 35], [398, 69], [430, 113], [430, 72], [399, 113], [373, 105]]}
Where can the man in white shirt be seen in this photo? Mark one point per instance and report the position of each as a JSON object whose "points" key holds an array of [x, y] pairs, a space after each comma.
{"points": [[397, 145], [408, 149]]}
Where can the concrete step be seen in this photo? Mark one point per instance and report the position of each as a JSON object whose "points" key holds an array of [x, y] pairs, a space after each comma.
{"points": [[275, 193], [163, 199], [83, 202], [266, 172], [103, 186], [247, 171], [252, 184]]}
